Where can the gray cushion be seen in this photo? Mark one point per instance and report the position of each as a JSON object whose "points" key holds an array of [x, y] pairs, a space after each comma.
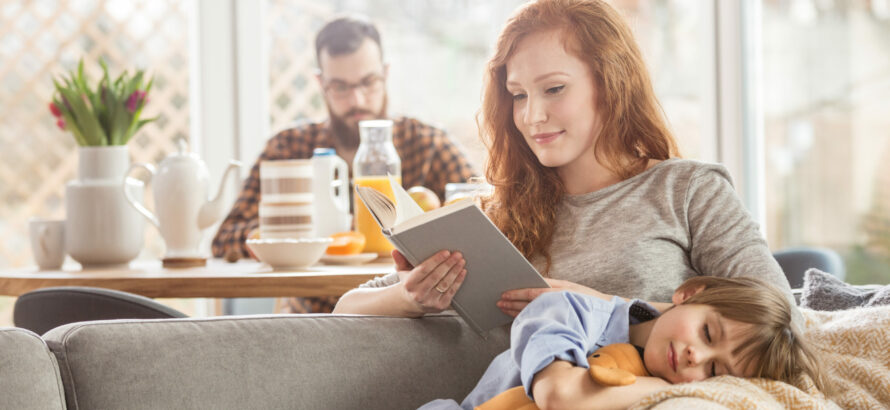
{"points": [[29, 377], [271, 362], [823, 291]]}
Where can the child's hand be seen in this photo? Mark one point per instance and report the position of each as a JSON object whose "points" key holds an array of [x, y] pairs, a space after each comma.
{"points": [[513, 301], [564, 385]]}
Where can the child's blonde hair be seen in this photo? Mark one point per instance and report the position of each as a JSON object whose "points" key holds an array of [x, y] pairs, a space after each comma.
{"points": [[773, 343]]}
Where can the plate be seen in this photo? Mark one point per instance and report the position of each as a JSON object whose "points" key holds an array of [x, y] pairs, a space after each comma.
{"points": [[354, 259]]}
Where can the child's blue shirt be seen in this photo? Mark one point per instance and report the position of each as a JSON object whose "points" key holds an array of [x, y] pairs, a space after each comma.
{"points": [[555, 326]]}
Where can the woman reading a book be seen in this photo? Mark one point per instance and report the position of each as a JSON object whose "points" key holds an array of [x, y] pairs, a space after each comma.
{"points": [[587, 180]]}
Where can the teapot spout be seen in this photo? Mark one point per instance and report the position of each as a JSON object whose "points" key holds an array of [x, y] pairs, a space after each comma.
{"points": [[213, 210]]}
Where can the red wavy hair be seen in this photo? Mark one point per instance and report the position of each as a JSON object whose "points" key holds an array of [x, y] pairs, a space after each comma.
{"points": [[524, 202]]}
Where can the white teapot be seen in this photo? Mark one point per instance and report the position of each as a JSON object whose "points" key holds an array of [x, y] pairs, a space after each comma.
{"points": [[179, 186]]}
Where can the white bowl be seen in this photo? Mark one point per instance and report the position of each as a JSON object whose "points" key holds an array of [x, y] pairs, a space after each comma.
{"points": [[289, 253]]}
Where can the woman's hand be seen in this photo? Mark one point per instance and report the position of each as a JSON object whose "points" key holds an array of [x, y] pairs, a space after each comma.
{"points": [[513, 301], [430, 286]]}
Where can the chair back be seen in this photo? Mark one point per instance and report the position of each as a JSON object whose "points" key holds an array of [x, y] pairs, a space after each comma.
{"points": [[43, 309], [796, 261]]}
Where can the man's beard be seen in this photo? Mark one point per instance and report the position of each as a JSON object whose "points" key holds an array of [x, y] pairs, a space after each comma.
{"points": [[347, 134]]}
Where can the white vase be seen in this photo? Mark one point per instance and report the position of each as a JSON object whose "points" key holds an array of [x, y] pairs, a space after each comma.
{"points": [[102, 229]]}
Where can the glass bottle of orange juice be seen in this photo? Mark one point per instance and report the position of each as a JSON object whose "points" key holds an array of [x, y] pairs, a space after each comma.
{"points": [[375, 159]]}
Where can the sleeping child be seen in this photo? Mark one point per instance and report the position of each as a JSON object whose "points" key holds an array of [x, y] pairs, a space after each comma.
{"points": [[717, 326]]}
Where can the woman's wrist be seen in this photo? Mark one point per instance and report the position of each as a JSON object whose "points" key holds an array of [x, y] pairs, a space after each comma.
{"points": [[382, 301], [407, 306]]}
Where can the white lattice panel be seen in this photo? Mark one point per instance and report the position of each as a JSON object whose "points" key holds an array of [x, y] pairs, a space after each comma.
{"points": [[41, 39], [293, 91]]}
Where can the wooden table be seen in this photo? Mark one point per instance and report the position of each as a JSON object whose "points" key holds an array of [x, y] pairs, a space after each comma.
{"points": [[218, 279]]}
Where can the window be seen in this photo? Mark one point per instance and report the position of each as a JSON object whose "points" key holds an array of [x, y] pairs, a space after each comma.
{"points": [[672, 35], [41, 39], [826, 89]]}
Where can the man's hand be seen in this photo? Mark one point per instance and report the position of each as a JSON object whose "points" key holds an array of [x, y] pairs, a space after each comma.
{"points": [[233, 253], [430, 286]]}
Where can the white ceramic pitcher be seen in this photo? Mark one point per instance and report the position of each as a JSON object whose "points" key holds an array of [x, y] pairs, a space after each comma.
{"points": [[330, 186], [101, 230], [180, 186]]}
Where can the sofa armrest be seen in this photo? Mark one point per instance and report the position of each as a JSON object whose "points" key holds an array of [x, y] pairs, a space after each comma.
{"points": [[29, 376]]}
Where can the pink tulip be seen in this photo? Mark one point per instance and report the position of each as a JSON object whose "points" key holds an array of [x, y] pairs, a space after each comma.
{"points": [[61, 124], [135, 100], [55, 110]]}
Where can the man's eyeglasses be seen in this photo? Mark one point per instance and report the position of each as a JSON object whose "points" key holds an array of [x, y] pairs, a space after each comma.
{"points": [[342, 89]]}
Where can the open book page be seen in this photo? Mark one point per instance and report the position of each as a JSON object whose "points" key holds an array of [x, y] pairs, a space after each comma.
{"points": [[425, 217], [379, 206], [388, 214], [406, 208]]}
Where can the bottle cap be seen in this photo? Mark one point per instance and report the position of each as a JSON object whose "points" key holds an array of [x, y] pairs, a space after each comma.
{"points": [[323, 152]]}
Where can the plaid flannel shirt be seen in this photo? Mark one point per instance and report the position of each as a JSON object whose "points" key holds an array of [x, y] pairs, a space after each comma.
{"points": [[429, 158]]}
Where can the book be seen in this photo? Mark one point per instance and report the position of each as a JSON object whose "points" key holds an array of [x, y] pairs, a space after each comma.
{"points": [[493, 264]]}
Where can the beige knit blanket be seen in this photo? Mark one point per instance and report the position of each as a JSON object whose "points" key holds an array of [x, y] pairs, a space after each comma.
{"points": [[855, 350]]}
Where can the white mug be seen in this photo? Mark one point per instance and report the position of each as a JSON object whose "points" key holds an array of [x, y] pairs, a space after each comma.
{"points": [[47, 242]]}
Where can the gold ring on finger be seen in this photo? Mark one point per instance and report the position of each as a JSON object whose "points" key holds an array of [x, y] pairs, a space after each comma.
{"points": [[441, 290]]}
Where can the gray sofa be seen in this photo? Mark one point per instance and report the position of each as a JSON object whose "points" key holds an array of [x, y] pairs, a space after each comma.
{"points": [[29, 375], [245, 362]]}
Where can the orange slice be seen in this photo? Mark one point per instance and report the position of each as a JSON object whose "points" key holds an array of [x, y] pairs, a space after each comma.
{"points": [[346, 243]]}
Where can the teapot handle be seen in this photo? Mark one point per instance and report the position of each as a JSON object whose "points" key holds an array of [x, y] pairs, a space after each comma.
{"points": [[139, 207]]}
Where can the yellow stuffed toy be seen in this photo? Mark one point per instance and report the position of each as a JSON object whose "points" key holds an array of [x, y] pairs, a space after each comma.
{"points": [[617, 364]]}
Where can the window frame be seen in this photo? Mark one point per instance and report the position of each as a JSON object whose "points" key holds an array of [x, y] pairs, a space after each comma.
{"points": [[230, 102], [738, 114]]}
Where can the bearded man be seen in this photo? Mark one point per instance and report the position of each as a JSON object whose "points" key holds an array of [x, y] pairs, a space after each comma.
{"points": [[353, 75]]}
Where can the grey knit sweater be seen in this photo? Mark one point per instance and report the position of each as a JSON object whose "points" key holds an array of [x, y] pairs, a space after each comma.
{"points": [[642, 237]]}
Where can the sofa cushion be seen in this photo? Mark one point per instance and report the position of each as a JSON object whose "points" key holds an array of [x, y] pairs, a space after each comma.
{"points": [[271, 362], [823, 291], [29, 377]]}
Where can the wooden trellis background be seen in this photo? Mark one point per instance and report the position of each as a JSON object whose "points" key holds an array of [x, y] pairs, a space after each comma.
{"points": [[42, 39], [293, 92]]}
